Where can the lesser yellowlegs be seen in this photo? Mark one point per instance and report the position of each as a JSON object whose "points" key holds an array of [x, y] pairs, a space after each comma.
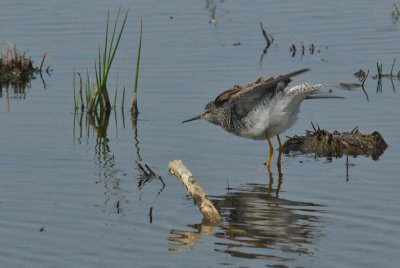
{"points": [[262, 109]]}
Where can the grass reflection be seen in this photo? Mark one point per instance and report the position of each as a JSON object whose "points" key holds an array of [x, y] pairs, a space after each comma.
{"points": [[87, 126]]}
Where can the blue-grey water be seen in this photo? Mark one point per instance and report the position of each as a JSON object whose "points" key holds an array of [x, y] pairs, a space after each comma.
{"points": [[70, 199]]}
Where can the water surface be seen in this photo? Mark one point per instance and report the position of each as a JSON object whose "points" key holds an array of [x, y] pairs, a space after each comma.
{"points": [[68, 198]]}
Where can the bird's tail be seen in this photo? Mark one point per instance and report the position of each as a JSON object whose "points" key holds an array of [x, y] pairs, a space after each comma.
{"points": [[310, 91], [303, 89]]}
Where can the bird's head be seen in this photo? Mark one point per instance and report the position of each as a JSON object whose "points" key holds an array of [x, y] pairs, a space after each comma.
{"points": [[208, 114]]}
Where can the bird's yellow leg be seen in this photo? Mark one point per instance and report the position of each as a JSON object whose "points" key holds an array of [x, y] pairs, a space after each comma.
{"points": [[280, 143], [271, 152], [280, 150]]}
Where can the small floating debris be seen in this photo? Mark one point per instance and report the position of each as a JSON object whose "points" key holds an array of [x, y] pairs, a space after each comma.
{"points": [[362, 76], [301, 49], [336, 144], [351, 86], [395, 12]]}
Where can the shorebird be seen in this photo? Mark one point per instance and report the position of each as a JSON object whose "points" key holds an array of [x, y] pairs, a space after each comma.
{"points": [[262, 109]]}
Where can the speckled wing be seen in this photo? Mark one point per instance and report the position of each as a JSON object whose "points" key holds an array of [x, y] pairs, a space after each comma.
{"points": [[243, 99]]}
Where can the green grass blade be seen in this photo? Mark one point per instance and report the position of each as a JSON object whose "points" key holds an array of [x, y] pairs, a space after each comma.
{"points": [[116, 92], [138, 57], [75, 96], [123, 118], [99, 72], [105, 43], [89, 94], [123, 99], [115, 98], [114, 50], [113, 34], [97, 75]]}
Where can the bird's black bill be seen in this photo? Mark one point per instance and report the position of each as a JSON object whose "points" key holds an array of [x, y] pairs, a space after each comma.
{"points": [[192, 119], [316, 96]]}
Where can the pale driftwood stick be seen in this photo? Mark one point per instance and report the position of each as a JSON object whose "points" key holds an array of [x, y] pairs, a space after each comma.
{"points": [[210, 213]]}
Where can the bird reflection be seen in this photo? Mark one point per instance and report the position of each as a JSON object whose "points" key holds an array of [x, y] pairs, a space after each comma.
{"points": [[271, 176], [257, 225], [256, 220]]}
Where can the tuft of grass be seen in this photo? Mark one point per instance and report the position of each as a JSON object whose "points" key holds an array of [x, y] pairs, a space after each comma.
{"points": [[96, 97], [17, 68], [100, 98]]}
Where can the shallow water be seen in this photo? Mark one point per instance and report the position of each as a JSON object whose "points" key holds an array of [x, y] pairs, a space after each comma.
{"points": [[69, 199]]}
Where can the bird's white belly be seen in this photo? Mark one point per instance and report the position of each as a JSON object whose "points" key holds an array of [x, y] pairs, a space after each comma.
{"points": [[272, 119]]}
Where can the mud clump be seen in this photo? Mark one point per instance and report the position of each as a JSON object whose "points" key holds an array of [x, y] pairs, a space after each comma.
{"points": [[323, 143]]}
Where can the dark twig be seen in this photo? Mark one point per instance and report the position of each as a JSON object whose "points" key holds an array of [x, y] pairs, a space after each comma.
{"points": [[362, 85], [151, 215], [391, 70], [391, 81], [347, 167], [312, 47], [159, 177], [379, 68], [380, 75], [149, 169], [265, 35], [313, 126], [227, 186], [80, 92], [118, 207], [44, 82], [148, 175], [41, 64], [145, 173], [293, 50], [364, 78]]}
